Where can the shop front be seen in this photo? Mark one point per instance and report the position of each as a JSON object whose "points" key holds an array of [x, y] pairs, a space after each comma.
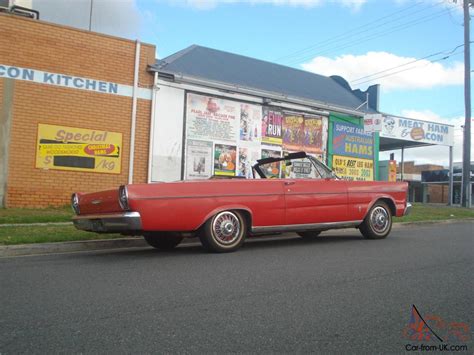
{"points": [[218, 120]]}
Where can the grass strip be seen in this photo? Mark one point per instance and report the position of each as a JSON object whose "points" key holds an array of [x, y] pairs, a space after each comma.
{"points": [[423, 212], [35, 215], [47, 234]]}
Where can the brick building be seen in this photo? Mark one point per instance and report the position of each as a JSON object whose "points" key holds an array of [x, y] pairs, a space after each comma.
{"points": [[62, 89], [419, 192]]}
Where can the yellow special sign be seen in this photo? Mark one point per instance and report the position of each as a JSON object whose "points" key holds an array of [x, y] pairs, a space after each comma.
{"points": [[78, 149], [353, 168]]}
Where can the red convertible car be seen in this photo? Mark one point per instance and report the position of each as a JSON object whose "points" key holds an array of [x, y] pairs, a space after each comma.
{"points": [[222, 212]]}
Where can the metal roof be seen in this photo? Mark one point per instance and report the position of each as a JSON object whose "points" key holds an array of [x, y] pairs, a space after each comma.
{"points": [[219, 66]]}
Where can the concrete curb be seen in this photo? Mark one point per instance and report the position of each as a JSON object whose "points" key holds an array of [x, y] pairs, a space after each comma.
{"points": [[137, 242]]}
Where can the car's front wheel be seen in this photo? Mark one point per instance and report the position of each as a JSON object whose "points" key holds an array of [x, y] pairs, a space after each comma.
{"points": [[224, 232], [163, 240], [378, 222]]}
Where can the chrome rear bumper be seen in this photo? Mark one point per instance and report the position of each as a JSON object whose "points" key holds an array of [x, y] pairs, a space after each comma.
{"points": [[407, 209], [109, 223]]}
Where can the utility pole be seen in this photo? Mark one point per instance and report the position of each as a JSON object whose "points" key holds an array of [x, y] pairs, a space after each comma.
{"points": [[466, 164], [90, 16]]}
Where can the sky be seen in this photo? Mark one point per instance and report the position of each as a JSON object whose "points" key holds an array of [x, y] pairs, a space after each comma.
{"points": [[413, 49]]}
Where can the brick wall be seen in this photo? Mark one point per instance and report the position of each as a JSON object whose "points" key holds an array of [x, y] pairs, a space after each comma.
{"points": [[438, 193], [42, 46], [409, 167]]}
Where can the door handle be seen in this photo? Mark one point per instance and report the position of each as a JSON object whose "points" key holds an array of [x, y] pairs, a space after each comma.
{"points": [[289, 183]]}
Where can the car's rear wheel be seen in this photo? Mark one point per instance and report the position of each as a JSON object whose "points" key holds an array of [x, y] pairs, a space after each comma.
{"points": [[163, 240], [309, 234], [378, 222], [224, 232]]}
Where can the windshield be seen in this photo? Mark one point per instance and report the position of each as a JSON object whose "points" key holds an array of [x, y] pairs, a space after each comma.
{"points": [[300, 166]]}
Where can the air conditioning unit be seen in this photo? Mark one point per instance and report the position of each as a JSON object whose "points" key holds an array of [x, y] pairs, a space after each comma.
{"points": [[19, 7], [10, 3]]}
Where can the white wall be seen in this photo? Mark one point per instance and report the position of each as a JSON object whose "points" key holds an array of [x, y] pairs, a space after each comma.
{"points": [[168, 124], [167, 140]]}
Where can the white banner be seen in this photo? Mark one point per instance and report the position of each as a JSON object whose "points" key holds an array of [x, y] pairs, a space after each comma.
{"points": [[417, 131], [72, 82]]}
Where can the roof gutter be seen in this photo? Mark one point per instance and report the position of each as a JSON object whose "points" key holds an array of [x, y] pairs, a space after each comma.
{"points": [[181, 78]]}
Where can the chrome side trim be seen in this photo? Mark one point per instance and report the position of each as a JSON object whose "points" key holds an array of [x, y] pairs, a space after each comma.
{"points": [[109, 223], [407, 209], [236, 195], [305, 227]]}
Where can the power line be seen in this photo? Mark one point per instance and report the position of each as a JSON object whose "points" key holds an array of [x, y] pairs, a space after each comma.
{"points": [[415, 67], [408, 63], [393, 29], [303, 54], [343, 34]]}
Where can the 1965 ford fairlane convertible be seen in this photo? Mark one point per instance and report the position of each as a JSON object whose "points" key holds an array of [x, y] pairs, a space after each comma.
{"points": [[309, 199]]}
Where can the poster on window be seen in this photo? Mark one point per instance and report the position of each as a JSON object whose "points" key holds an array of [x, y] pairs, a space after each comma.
{"points": [[198, 159], [250, 123], [314, 135], [272, 126], [293, 132], [271, 170], [225, 157], [248, 156], [298, 169], [211, 118]]}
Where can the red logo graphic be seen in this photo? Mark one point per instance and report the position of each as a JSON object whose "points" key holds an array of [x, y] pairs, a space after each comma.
{"points": [[99, 149], [433, 327]]}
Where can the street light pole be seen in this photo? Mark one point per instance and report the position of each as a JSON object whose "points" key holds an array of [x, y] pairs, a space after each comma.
{"points": [[466, 165]]}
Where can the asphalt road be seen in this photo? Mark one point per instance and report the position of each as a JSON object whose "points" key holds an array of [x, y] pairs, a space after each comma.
{"points": [[336, 294]]}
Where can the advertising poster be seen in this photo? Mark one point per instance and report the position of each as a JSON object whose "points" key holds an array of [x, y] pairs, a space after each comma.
{"points": [[416, 130], [198, 160], [250, 123], [293, 132], [225, 157], [351, 140], [392, 170], [78, 149], [372, 123], [211, 118], [298, 169], [353, 168], [271, 170], [247, 158], [272, 126], [314, 141]]}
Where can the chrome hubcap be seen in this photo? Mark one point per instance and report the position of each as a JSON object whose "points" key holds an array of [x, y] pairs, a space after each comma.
{"points": [[226, 228], [380, 219]]}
